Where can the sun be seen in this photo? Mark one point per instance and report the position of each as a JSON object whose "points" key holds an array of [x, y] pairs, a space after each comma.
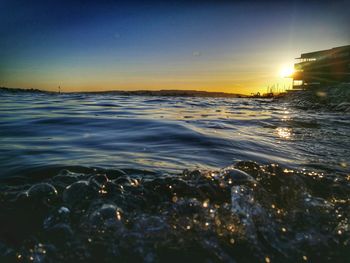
{"points": [[286, 71]]}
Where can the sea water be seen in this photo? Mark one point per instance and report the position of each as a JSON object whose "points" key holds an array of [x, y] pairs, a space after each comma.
{"points": [[87, 177]]}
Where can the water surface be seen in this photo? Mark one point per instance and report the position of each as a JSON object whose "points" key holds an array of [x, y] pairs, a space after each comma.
{"points": [[168, 134], [168, 179]]}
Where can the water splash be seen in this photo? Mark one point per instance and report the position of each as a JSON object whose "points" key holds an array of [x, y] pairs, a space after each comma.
{"points": [[243, 213]]}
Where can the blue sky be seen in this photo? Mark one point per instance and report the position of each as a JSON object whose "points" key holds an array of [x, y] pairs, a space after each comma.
{"points": [[232, 46]]}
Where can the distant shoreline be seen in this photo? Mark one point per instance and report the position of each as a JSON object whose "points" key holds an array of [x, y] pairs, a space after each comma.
{"points": [[169, 93]]}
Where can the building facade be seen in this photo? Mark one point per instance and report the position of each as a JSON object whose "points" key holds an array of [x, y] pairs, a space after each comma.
{"points": [[325, 67]]}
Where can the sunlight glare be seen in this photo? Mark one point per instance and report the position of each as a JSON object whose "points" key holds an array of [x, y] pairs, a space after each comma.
{"points": [[286, 71]]}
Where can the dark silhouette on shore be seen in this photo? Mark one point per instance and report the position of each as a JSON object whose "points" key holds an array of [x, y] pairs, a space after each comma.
{"points": [[170, 93]]}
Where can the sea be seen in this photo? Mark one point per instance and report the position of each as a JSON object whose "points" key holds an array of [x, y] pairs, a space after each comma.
{"points": [[105, 177]]}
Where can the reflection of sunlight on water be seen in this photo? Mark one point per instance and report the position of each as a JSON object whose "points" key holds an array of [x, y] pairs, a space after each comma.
{"points": [[286, 115], [286, 118], [284, 133]]}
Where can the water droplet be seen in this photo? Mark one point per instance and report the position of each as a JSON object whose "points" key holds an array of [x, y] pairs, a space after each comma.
{"points": [[206, 203], [118, 215], [343, 164]]}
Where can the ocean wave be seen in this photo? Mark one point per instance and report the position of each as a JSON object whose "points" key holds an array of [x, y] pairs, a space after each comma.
{"points": [[243, 213]]}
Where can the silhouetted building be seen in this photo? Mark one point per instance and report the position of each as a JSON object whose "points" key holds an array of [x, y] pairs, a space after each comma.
{"points": [[323, 67]]}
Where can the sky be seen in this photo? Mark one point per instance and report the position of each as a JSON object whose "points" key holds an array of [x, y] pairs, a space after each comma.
{"points": [[228, 46]]}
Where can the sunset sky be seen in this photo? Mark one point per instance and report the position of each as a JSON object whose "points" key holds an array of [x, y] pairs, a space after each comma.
{"points": [[230, 46]]}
